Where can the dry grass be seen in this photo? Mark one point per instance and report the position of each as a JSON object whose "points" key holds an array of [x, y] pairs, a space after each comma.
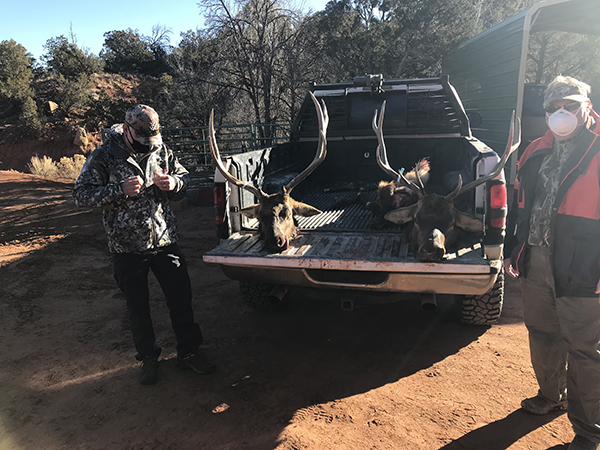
{"points": [[67, 168]]}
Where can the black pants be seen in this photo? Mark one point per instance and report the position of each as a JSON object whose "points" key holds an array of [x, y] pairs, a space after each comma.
{"points": [[170, 269]]}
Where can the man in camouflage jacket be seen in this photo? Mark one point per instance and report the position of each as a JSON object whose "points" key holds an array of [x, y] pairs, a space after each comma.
{"points": [[132, 176]]}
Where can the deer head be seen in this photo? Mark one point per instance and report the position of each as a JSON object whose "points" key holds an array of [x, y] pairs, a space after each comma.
{"points": [[436, 222], [275, 212]]}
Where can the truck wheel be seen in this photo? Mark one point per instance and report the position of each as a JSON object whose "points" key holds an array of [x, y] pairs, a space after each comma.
{"points": [[483, 309], [256, 295]]}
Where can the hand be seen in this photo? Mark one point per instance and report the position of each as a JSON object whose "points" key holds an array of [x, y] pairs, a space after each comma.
{"points": [[164, 181], [509, 269], [598, 288], [132, 185]]}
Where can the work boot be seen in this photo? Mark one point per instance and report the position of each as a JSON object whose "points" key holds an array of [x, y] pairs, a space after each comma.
{"points": [[582, 443], [149, 372], [540, 405], [196, 362]]}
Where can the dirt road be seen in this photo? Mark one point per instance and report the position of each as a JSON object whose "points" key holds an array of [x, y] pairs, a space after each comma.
{"points": [[307, 376]]}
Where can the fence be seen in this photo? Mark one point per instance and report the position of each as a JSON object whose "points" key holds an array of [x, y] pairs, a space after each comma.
{"points": [[190, 145]]}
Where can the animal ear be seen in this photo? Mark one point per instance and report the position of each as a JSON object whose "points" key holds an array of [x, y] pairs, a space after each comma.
{"points": [[250, 211], [302, 209], [402, 215], [468, 222]]}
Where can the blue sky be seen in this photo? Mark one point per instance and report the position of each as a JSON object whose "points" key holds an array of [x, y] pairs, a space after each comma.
{"points": [[32, 22]]}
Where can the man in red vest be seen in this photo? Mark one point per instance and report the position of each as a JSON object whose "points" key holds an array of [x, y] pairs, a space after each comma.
{"points": [[553, 240]]}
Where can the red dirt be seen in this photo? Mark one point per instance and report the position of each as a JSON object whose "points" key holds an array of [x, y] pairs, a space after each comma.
{"points": [[308, 376]]}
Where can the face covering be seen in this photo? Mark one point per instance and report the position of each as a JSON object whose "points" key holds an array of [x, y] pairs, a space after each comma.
{"points": [[140, 148], [563, 122]]}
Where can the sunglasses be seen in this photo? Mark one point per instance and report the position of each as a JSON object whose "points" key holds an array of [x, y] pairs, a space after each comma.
{"points": [[571, 106], [143, 134]]}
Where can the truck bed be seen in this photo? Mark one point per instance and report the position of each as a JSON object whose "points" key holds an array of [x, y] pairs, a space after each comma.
{"points": [[336, 240]]}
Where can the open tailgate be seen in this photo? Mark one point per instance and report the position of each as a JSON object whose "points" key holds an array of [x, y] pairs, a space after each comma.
{"points": [[388, 252]]}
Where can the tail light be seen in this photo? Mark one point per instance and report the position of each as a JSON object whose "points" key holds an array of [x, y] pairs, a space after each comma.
{"points": [[498, 205], [219, 199]]}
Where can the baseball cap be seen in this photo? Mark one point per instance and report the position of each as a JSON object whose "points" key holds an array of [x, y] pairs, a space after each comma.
{"points": [[144, 120], [566, 88]]}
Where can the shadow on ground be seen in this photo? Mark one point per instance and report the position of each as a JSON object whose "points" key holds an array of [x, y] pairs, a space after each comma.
{"points": [[69, 379]]}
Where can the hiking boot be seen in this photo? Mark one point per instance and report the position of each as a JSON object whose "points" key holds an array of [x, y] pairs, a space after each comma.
{"points": [[540, 405], [196, 362], [581, 443], [149, 372]]}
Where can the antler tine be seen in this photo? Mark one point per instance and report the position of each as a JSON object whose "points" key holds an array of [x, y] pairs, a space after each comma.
{"points": [[323, 118], [511, 146], [214, 151], [381, 154]]}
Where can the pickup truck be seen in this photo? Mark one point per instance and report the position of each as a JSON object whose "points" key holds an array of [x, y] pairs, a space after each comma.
{"points": [[340, 251]]}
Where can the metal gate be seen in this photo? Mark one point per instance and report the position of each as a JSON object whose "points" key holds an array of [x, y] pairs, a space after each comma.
{"points": [[190, 145]]}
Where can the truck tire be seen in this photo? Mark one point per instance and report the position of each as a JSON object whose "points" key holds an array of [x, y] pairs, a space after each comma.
{"points": [[483, 309], [256, 295]]}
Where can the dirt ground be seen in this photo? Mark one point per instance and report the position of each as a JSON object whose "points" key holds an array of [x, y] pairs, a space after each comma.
{"points": [[306, 376]]}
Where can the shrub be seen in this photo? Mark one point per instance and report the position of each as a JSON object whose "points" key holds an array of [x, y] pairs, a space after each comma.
{"points": [[68, 168], [44, 166], [29, 122], [15, 86], [74, 94]]}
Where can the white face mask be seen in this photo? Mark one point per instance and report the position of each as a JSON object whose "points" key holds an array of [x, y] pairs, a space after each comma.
{"points": [[563, 122]]}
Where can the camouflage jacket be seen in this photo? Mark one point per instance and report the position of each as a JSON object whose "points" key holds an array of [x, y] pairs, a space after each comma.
{"points": [[139, 223]]}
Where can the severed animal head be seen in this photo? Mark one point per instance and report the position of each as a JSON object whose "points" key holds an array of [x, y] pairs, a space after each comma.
{"points": [[275, 212], [395, 194], [436, 221]]}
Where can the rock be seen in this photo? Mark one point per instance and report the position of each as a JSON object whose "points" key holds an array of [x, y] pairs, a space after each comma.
{"points": [[81, 139], [50, 107]]}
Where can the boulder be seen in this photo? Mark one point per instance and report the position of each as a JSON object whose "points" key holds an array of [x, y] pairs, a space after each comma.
{"points": [[80, 139], [50, 107]]}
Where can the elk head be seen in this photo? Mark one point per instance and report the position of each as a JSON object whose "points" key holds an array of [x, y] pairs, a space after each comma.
{"points": [[394, 194], [275, 212], [436, 222]]}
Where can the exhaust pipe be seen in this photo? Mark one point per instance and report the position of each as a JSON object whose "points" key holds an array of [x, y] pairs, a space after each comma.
{"points": [[428, 302], [278, 293]]}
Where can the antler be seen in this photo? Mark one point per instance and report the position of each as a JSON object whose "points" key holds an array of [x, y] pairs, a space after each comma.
{"points": [[511, 146], [321, 147], [214, 151], [382, 159]]}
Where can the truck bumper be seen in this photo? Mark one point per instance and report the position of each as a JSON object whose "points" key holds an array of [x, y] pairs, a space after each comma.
{"points": [[407, 282]]}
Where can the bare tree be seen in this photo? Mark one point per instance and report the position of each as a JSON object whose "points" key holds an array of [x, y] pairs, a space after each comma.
{"points": [[255, 39]]}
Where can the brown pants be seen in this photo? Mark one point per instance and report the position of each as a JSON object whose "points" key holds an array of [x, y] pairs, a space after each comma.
{"points": [[564, 340]]}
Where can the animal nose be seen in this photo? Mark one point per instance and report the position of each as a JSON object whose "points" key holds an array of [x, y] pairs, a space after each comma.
{"points": [[433, 249]]}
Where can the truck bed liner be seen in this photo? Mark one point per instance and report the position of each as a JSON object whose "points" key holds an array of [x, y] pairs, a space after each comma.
{"points": [[350, 218]]}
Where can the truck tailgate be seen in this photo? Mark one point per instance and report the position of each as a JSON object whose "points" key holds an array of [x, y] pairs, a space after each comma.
{"points": [[385, 252]]}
